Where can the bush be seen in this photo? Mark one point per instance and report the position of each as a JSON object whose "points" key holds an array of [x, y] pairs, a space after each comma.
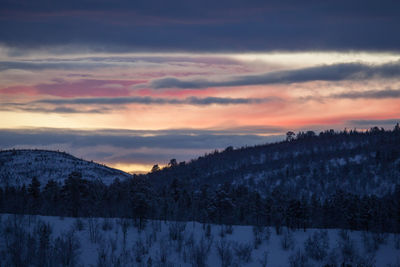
{"points": [[229, 229], [208, 231], [287, 240], [396, 240], [379, 239], [243, 252], [258, 235], [332, 258], [66, 248], [139, 250], [43, 231], [107, 224], [199, 253], [162, 253], [264, 259], [347, 250], [366, 261], [79, 225], [124, 223], [317, 245], [224, 252], [299, 259], [267, 233], [176, 230], [93, 227]]}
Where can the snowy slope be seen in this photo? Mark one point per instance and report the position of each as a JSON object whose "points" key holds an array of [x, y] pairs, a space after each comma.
{"points": [[105, 245], [356, 163], [20, 166]]}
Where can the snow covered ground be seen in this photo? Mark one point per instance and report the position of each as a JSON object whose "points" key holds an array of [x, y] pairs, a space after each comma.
{"points": [[120, 242]]}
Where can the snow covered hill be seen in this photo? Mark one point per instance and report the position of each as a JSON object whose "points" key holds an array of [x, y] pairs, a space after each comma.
{"points": [[57, 241], [361, 163], [20, 166]]}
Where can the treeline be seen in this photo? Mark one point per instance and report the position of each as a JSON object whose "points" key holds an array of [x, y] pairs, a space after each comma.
{"points": [[136, 198]]}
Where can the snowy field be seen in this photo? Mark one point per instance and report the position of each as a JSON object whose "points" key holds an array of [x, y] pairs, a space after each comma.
{"points": [[55, 241]]}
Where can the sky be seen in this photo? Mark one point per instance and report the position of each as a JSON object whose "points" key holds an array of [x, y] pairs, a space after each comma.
{"points": [[136, 83]]}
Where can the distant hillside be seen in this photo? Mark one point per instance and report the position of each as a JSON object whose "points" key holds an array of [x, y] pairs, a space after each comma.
{"points": [[361, 163], [20, 166]]}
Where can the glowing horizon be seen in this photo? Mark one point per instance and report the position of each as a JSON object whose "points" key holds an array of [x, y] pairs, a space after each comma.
{"points": [[133, 84]]}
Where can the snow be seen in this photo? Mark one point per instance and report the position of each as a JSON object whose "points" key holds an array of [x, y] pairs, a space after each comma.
{"points": [[386, 254], [18, 167]]}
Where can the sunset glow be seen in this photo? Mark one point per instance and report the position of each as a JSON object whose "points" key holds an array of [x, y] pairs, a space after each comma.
{"points": [[183, 99]]}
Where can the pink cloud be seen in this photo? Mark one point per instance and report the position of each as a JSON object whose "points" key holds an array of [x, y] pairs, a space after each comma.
{"points": [[19, 89], [177, 92], [98, 88]]}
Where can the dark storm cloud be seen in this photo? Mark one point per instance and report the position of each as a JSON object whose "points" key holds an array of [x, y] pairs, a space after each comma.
{"points": [[335, 72], [172, 139], [202, 25]]}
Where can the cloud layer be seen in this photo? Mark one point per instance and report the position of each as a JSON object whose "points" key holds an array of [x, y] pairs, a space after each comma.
{"points": [[203, 26], [336, 72]]}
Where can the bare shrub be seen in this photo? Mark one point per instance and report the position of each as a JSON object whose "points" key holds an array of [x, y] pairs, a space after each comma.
{"points": [[79, 224], [396, 240], [347, 248], [370, 243], [107, 224], [124, 223], [93, 228], [224, 252], [379, 239], [299, 259], [317, 245], [66, 248], [43, 231], [243, 251], [332, 259], [199, 252], [365, 261], [287, 240], [208, 231], [258, 236], [222, 231], [16, 239], [229, 229], [112, 242], [343, 235], [264, 259], [267, 233], [103, 259], [162, 253], [175, 230], [139, 250]]}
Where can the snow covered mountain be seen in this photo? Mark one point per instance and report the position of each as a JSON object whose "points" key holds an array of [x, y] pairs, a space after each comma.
{"points": [[20, 166]]}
